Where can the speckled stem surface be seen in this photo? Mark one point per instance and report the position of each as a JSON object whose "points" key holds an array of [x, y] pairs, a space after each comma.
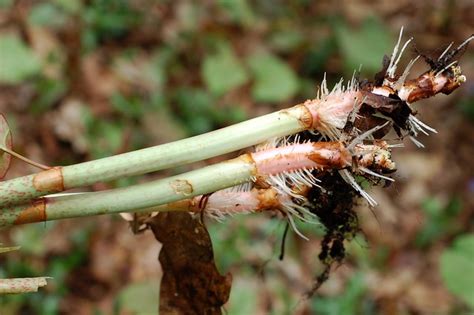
{"points": [[198, 182], [218, 142]]}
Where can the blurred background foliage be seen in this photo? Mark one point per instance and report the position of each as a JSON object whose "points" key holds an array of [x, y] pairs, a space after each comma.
{"points": [[81, 80]]}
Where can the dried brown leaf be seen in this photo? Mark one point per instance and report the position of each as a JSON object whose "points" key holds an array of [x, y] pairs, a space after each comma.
{"points": [[5, 142], [191, 283]]}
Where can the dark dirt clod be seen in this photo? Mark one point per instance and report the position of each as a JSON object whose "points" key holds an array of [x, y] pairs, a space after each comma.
{"points": [[334, 207]]}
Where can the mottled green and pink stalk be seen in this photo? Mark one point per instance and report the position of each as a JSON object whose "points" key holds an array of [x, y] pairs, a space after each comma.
{"points": [[326, 115], [259, 166]]}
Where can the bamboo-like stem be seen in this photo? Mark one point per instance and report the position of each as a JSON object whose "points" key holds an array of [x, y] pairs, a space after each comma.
{"points": [[327, 114], [224, 203], [218, 206], [198, 182], [245, 168], [225, 140]]}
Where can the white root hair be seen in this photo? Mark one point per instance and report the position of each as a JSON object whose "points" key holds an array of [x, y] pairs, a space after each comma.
{"points": [[348, 178], [416, 142], [417, 125], [401, 80], [370, 172], [445, 51], [333, 119], [395, 59]]}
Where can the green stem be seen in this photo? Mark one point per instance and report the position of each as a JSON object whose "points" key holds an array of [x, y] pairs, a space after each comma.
{"points": [[229, 139], [198, 182]]}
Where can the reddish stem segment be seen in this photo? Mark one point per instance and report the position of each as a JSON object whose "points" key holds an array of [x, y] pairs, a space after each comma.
{"points": [[231, 202], [320, 156], [426, 85], [308, 156]]}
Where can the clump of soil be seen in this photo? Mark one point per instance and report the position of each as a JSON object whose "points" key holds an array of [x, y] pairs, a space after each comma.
{"points": [[334, 207]]}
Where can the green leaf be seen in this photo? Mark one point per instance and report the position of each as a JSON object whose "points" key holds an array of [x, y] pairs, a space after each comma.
{"points": [[31, 238], [239, 11], [317, 57], [195, 106], [17, 61], [104, 137], [348, 302], [140, 298], [222, 71], [49, 92], [228, 242], [107, 138], [432, 207], [5, 3], [275, 81], [466, 105], [242, 300], [286, 39], [131, 107], [70, 6], [47, 14], [457, 268], [105, 20], [5, 142], [440, 220], [364, 46]]}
